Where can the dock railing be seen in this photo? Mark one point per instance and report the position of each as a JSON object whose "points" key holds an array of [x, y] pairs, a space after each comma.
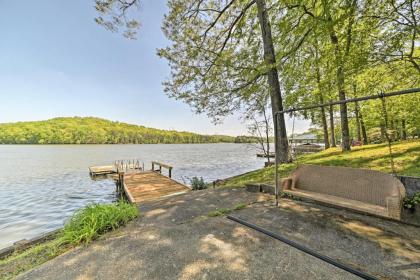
{"points": [[129, 165], [159, 166]]}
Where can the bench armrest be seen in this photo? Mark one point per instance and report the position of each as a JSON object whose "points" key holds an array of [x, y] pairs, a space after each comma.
{"points": [[394, 205], [286, 183]]}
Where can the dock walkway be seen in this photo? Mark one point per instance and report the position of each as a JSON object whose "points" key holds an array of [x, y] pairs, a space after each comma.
{"points": [[150, 185], [138, 184]]}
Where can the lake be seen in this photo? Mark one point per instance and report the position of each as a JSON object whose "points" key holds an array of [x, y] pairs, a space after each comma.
{"points": [[41, 186]]}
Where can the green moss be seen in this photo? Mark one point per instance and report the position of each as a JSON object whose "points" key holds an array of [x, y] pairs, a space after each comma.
{"points": [[239, 206], [406, 159], [226, 211]]}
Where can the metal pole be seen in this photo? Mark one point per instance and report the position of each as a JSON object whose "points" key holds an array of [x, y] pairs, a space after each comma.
{"points": [[276, 150], [376, 96], [304, 249]]}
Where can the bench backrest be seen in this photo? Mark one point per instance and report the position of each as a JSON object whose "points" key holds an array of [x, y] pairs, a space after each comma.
{"points": [[364, 185]]}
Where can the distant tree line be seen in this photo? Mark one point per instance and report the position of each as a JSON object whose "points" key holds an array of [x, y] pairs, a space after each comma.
{"points": [[90, 130]]}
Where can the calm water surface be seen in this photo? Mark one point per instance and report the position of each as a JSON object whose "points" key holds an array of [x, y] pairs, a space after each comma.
{"points": [[41, 186]]}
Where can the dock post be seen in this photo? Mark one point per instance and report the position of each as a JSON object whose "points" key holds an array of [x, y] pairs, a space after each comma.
{"points": [[170, 172], [120, 182]]}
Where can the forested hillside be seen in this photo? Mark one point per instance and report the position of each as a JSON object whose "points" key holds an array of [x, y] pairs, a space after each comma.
{"points": [[79, 130]]}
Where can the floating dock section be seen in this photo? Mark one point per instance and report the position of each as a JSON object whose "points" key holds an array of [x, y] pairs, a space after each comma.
{"points": [[102, 170]]}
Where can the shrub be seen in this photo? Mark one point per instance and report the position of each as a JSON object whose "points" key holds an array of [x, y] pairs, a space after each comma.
{"points": [[96, 219], [411, 202], [198, 183]]}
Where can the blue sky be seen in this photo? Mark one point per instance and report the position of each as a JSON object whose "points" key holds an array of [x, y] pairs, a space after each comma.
{"points": [[56, 61]]}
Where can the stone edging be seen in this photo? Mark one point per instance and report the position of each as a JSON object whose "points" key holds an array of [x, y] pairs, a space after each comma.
{"points": [[25, 243]]}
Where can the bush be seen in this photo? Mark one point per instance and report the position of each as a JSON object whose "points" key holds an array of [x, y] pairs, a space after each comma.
{"points": [[96, 219], [198, 183], [411, 202]]}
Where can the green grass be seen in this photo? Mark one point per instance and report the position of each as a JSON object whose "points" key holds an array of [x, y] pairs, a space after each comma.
{"points": [[406, 158], [226, 211], [85, 226], [96, 219]]}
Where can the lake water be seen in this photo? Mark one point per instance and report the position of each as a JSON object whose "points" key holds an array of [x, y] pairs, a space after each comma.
{"points": [[41, 186]]}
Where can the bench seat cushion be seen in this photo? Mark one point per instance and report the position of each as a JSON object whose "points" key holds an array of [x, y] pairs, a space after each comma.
{"points": [[340, 202]]}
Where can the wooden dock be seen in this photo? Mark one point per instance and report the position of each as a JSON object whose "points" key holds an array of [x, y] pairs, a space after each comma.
{"points": [[119, 165], [150, 185], [139, 185], [101, 170], [262, 155]]}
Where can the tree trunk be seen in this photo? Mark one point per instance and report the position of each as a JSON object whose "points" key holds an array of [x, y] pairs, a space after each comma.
{"points": [[340, 57], [363, 127], [383, 132], [404, 130], [321, 101], [345, 132], [324, 125], [358, 128], [392, 129], [273, 82], [333, 144], [267, 133]]}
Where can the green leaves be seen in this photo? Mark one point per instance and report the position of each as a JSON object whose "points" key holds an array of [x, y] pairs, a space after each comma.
{"points": [[96, 219], [113, 15]]}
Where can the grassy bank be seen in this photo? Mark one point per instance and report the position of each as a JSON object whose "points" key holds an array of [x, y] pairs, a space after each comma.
{"points": [[85, 226], [406, 158]]}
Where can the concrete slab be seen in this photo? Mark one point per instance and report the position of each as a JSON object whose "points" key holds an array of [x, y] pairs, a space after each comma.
{"points": [[174, 239]]}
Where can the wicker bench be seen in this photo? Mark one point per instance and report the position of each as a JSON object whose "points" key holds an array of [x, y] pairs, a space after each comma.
{"points": [[362, 190]]}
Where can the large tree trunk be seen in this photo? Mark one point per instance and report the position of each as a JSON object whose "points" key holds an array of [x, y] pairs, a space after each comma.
{"points": [[345, 131], [273, 82], [332, 128]]}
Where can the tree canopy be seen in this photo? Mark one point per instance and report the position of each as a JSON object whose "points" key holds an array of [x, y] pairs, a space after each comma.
{"points": [[225, 54]]}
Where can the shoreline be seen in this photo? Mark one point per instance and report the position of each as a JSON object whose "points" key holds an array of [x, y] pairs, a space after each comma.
{"points": [[27, 243]]}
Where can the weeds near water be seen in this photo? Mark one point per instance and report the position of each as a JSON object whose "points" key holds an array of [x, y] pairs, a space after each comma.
{"points": [[96, 219], [198, 183], [85, 225]]}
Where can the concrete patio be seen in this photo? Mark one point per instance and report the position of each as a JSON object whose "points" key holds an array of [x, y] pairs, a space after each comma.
{"points": [[175, 239]]}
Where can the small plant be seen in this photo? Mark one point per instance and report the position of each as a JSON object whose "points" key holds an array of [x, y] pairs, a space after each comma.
{"points": [[85, 225], [220, 212], [96, 219], [411, 202], [239, 206], [198, 183], [226, 211]]}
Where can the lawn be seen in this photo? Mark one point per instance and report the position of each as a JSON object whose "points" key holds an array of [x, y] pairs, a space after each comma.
{"points": [[406, 158]]}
